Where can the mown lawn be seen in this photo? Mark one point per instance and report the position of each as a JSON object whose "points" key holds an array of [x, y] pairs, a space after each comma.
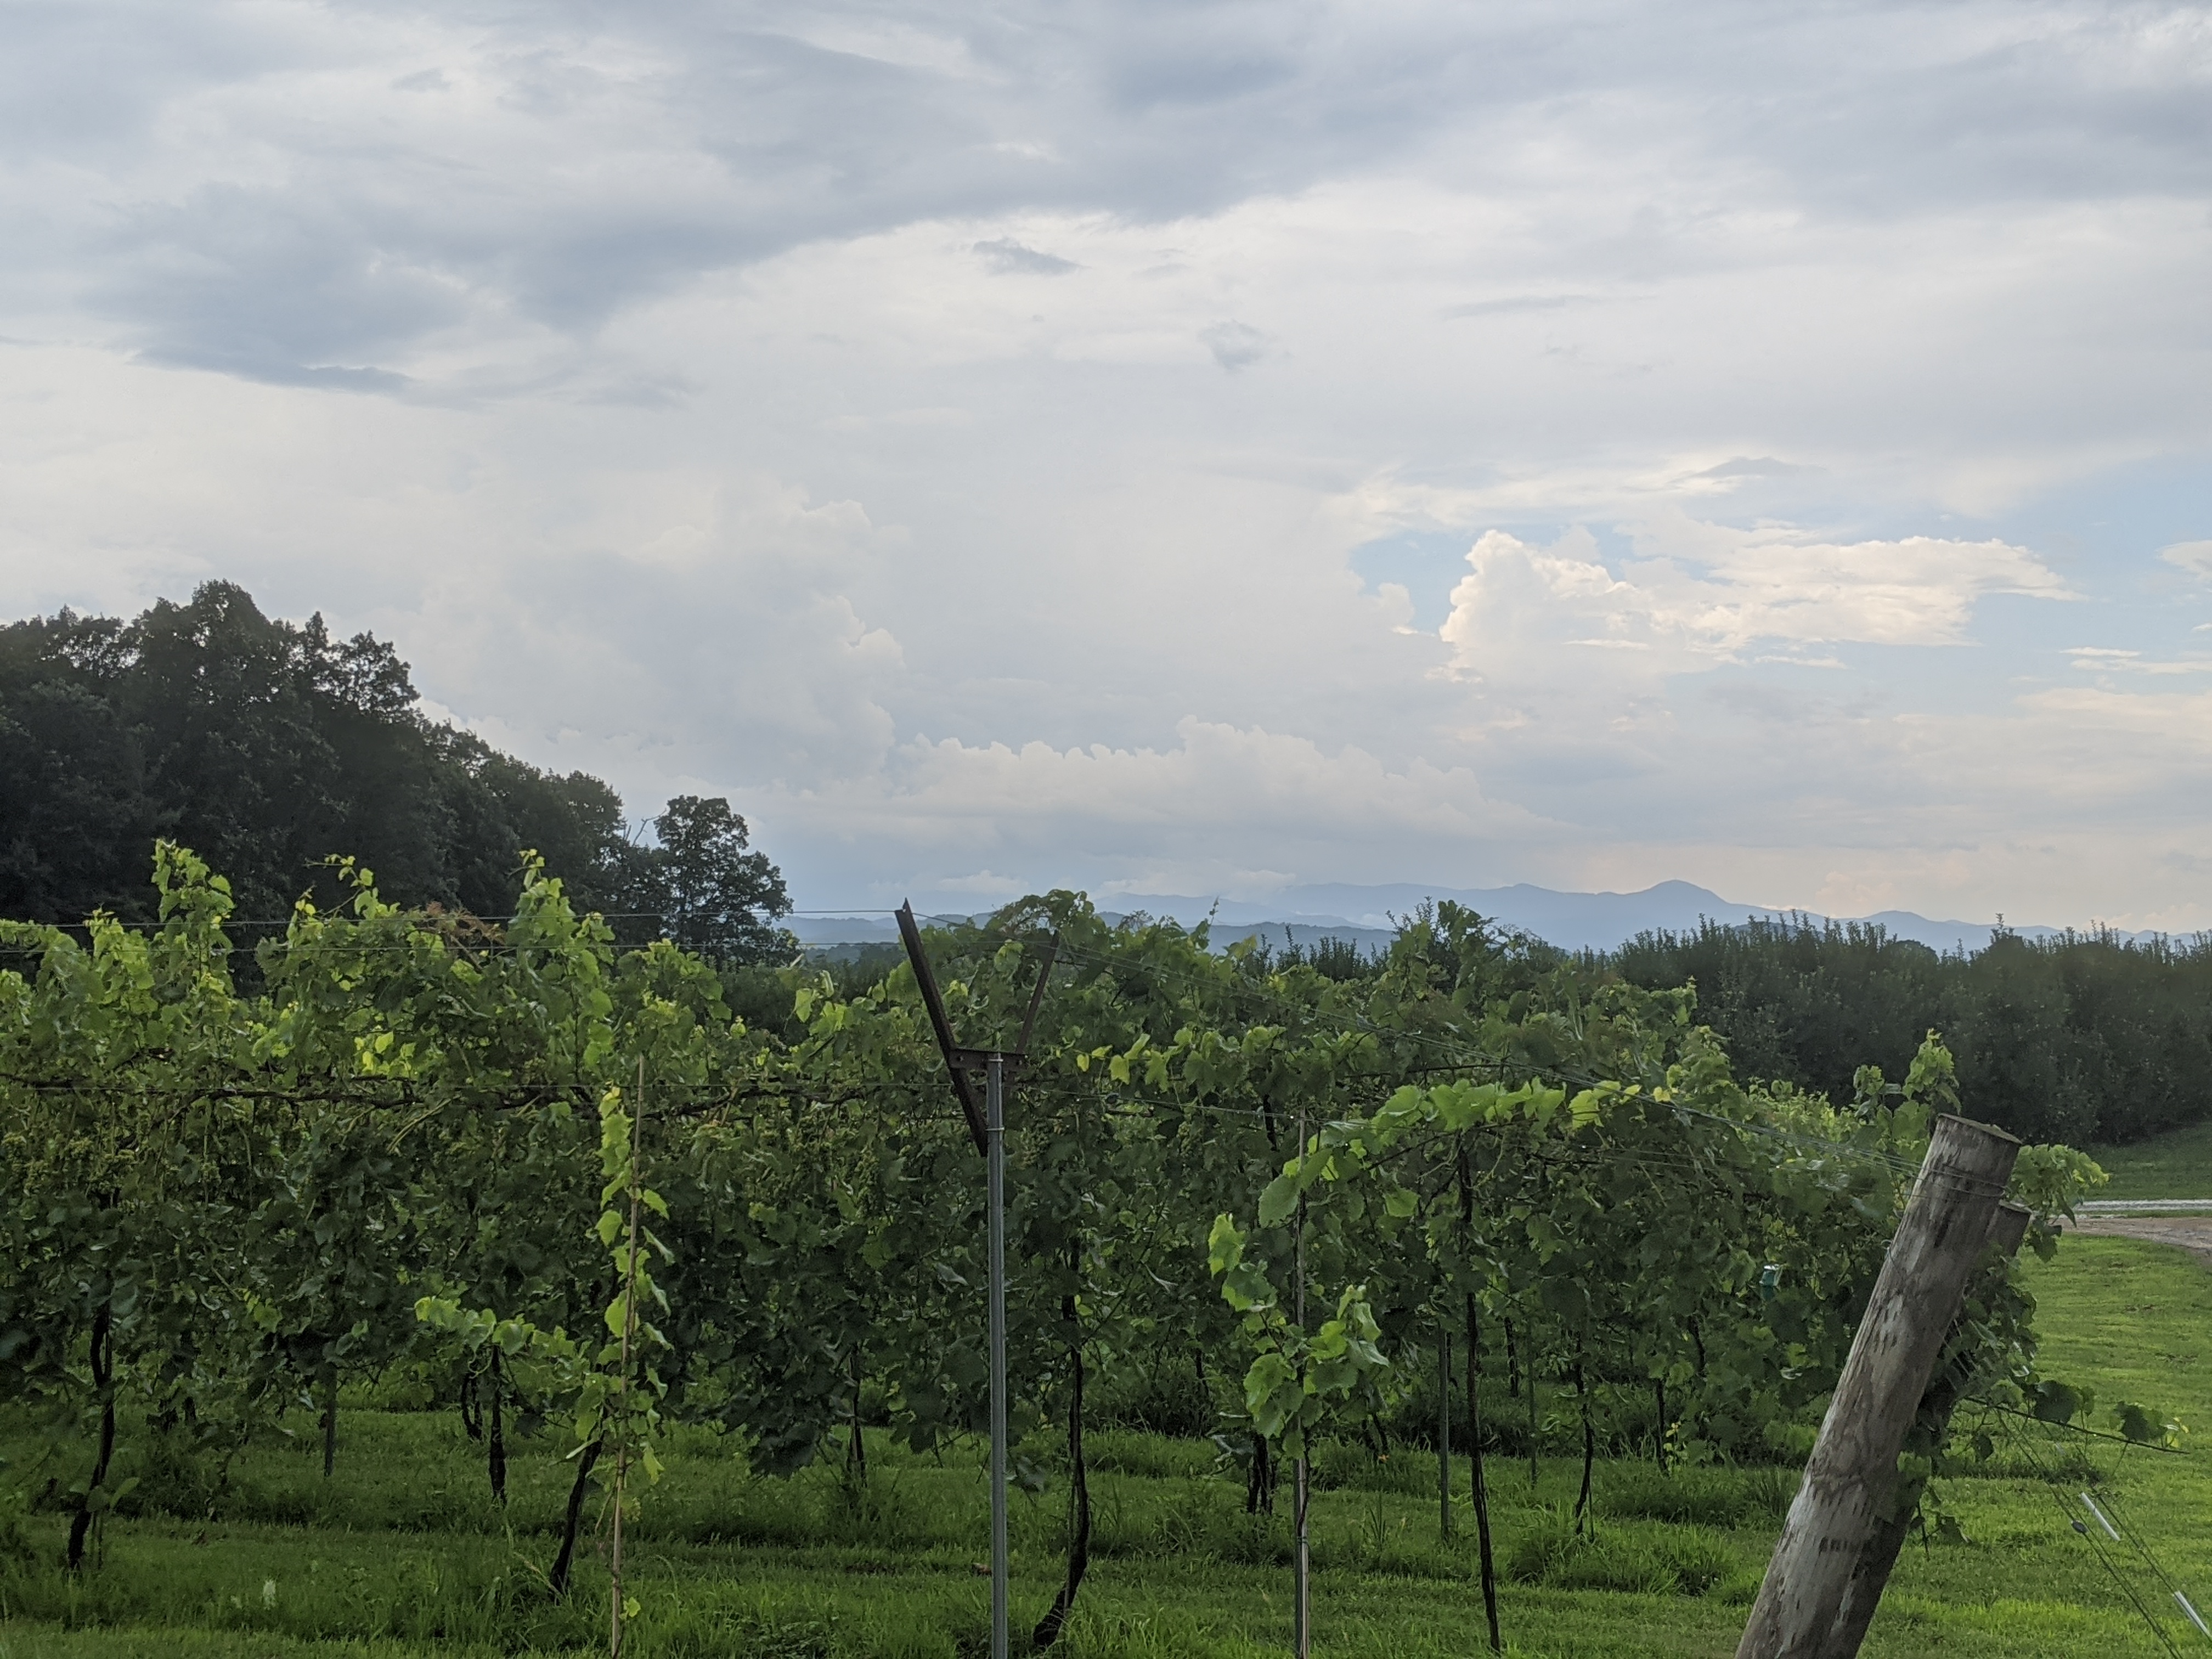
{"points": [[2176, 1165], [405, 1553]]}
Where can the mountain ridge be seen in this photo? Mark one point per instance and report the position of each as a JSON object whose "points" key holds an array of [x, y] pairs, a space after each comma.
{"points": [[1367, 914], [1572, 920]]}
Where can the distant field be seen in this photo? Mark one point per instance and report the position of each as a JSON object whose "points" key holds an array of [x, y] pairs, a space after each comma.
{"points": [[404, 1557], [2177, 1165]]}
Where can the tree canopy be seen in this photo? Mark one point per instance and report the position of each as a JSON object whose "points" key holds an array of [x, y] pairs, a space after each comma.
{"points": [[277, 747], [2087, 1038]]}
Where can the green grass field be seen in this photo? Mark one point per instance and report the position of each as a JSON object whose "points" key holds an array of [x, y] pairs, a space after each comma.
{"points": [[2176, 1165], [405, 1553]]}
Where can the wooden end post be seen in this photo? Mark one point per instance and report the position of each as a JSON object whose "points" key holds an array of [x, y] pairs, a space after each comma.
{"points": [[1849, 1483]]}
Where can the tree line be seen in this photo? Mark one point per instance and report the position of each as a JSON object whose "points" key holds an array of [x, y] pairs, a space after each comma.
{"points": [[2086, 1038], [271, 746]]}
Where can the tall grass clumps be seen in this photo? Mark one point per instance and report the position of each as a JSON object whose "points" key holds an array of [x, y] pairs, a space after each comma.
{"points": [[1710, 1497], [1647, 1560]]}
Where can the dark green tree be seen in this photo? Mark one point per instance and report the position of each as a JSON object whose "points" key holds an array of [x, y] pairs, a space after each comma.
{"points": [[76, 823], [709, 891], [275, 745], [2083, 1037]]}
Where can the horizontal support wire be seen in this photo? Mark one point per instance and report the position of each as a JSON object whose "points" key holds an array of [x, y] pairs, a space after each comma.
{"points": [[1078, 955], [1462, 1060]]}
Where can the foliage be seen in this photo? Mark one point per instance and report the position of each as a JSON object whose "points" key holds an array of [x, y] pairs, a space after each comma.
{"points": [[271, 746], [2084, 1037], [702, 888], [413, 1148], [609, 1394]]}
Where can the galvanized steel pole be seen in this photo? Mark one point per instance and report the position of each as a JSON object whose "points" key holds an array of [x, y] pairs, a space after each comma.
{"points": [[987, 1124], [1302, 1557], [994, 1129]]}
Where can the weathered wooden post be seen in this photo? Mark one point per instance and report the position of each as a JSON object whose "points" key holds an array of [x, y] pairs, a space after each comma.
{"points": [[1851, 1479], [1876, 1561]]}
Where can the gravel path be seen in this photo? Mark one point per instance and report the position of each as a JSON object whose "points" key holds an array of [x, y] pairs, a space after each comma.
{"points": [[2192, 1233]]}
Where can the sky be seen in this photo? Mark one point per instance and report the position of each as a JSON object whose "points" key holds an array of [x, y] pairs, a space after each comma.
{"points": [[1192, 447]]}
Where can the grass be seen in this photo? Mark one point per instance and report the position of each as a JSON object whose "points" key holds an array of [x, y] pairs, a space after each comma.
{"points": [[2130, 1320], [404, 1555], [2178, 1164]]}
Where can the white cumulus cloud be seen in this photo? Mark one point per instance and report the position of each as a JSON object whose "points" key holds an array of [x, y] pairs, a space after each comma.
{"points": [[1714, 593]]}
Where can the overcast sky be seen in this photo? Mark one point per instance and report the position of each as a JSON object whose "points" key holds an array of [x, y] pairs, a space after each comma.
{"points": [[1182, 447]]}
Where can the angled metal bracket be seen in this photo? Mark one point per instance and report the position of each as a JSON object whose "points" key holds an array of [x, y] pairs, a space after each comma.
{"points": [[935, 1003], [958, 1060]]}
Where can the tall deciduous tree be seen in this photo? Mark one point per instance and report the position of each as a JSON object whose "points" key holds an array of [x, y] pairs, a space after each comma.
{"points": [[274, 746], [712, 895]]}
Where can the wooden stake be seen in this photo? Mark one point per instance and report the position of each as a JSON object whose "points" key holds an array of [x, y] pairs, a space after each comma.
{"points": [[1443, 1434], [1851, 1477], [1478, 1489], [622, 1387], [1871, 1576], [994, 1229]]}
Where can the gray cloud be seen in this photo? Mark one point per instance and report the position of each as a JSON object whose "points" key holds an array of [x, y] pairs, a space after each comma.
{"points": [[1517, 303], [1236, 345], [1753, 466], [1009, 257], [574, 160], [265, 285]]}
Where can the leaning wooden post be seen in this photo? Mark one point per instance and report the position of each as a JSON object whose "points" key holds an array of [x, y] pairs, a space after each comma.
{"points": [[1878, 1559], [1848, 1480]]}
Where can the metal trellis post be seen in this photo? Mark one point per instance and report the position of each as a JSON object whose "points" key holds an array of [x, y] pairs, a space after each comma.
{"points": [[1302, 1557], [995, 1123], [987, 1124]]}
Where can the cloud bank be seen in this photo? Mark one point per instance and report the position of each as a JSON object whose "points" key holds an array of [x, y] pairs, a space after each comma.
{"points": [[1183, 448]]}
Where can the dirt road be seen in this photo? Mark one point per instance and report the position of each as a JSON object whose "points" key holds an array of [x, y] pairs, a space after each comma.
{"points": [[2192, 1233]]}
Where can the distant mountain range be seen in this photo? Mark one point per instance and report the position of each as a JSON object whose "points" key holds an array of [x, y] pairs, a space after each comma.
{"points": [[1366, 915]]}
